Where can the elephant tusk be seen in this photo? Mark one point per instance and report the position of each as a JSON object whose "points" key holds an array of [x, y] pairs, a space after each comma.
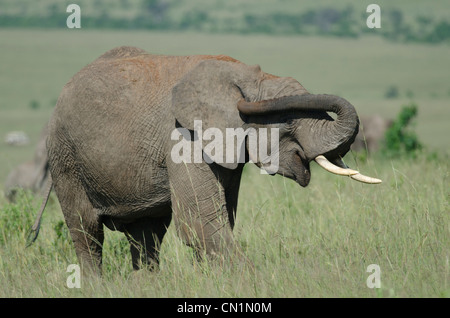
{"points": [[362, 178], [328, 166]]}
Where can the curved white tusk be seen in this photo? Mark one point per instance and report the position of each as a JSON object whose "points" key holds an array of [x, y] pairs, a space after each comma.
{"points": [[324, 163], [362, 178]]}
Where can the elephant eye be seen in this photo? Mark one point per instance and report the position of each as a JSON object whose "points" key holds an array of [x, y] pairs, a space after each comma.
{"points": [[290, 123]]}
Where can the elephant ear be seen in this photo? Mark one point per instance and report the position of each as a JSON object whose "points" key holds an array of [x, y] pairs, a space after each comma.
{"points": [[209, 93]]}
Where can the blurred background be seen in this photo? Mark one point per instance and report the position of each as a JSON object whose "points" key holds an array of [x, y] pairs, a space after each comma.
{"points": [[325, 45]]}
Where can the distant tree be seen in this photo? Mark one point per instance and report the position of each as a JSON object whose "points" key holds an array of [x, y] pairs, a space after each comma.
{"points": [[157, 9], [400, 138], [34, 104], [391, 92]]}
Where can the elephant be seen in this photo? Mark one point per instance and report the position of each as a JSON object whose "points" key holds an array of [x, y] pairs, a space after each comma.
{"points": [[371, 133], [110, 148], [30, 175]]}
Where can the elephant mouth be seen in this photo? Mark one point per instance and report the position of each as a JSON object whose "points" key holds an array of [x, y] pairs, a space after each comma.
{"points": [[300, 171], [340, 168]]}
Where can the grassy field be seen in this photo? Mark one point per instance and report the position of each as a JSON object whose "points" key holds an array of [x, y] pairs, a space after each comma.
{"points": [[312, 242]]}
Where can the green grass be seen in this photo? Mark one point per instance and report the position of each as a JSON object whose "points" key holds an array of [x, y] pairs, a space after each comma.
{"points": [[316, 241], [312, 242]]}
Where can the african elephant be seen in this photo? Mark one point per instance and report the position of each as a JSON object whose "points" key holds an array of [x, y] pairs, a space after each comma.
{"points": [[31, 175], [371, 133], [111, 141]]}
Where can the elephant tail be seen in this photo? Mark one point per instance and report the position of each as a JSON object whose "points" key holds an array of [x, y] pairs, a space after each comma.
{"points": [[34, 231]]}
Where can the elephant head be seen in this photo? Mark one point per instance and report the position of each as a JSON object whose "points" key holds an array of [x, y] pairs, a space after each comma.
{"points": [[229, 94]]}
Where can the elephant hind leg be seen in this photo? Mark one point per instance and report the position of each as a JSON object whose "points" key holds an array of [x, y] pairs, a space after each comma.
{"points": [[87, 235], [84, 223], [145, 237]]}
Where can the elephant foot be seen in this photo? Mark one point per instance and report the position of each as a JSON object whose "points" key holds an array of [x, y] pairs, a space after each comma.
{"points": [[229, 258]]}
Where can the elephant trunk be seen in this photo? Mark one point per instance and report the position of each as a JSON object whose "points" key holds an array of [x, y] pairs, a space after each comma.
{"points": [[338, 135]]}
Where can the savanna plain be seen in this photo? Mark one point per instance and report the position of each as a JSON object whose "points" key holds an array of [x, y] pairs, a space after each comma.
{"points": [[304, 242]]}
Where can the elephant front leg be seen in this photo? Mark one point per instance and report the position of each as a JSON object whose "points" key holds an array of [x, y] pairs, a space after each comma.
{"points": [[200, 211], [203, 225]]}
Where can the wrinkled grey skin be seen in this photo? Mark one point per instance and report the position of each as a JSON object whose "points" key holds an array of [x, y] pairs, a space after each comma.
{"points": [[371, 133], [31, 175], [109, 148]]}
